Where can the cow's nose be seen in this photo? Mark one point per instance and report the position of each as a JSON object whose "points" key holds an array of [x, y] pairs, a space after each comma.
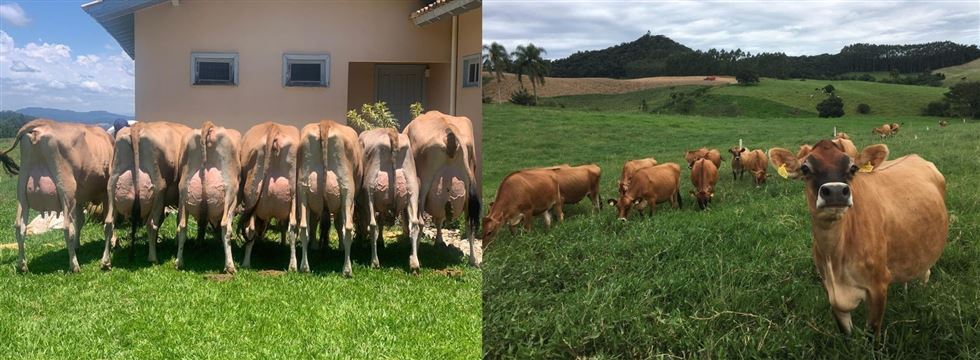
{"points": [[835, 194], [622, 219]]}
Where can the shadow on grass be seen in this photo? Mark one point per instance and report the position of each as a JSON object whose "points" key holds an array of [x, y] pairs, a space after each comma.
{"points": [[208, 256]]}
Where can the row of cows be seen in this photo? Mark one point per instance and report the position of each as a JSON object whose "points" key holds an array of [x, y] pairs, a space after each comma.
{"points": [[298, 177], [874, 221]]}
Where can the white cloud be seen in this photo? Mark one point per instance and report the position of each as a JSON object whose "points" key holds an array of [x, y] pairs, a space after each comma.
{"points": [[793, 27], [45, 74], [14, 14], [86, 59], [20, 66]]}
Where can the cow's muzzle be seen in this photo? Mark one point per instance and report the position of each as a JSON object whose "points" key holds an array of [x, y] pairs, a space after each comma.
{"points": [[834, 194]]}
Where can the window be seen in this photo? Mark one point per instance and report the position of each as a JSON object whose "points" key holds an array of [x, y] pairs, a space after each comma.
{"points": [[471, 70], [214, 68], [305, 70]]}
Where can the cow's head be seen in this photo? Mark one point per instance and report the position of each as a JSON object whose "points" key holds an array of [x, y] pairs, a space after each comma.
{"points": [[693, 155], [736, 152], [490, 227], [828, 172], [759, 176], [625, 204]]}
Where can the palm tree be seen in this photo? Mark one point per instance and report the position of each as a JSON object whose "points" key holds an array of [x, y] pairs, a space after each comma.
{"points": [[528, 61], [496, 59]]}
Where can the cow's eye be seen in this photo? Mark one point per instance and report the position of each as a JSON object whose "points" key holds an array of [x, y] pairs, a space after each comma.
{"points": [[853, 169], [805, 169]]}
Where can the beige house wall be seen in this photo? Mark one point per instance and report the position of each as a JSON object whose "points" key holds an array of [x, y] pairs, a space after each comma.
{"points": [[260, 32], [469, 100]]}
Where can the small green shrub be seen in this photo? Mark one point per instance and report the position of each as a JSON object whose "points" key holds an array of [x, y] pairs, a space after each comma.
{"points": [[372, 116], [521, 97], [936, 108], [863, 108], [833, 106]]}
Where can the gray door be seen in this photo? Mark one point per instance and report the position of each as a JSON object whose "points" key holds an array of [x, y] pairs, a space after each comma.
{"points": [[400, 86]]}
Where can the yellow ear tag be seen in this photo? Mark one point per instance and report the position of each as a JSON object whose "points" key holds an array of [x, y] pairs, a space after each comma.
{"points": [[782, 171], [866, 168]]}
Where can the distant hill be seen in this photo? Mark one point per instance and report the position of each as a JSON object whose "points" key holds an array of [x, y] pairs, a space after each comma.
{"points": [[965, 72], [658, 55], [90, 117]]}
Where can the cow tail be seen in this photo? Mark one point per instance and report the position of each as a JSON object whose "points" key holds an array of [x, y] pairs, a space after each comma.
{"points": [[270, 144], [202, 219], [136, 212], [393, 142], [677, 194], [452, 143], [9, 165]]}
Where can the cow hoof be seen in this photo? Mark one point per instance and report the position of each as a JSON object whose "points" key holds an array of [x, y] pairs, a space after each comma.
{"points": [[375, 264], [474, 263], [291, 268], [304, 268], [348, 274], [230, 270], [74, 268], [178, 264], [23, 268], [106, 266]]}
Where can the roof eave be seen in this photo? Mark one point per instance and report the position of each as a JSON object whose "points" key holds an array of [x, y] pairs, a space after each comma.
{"points": [[116, 17], [449, 9]]}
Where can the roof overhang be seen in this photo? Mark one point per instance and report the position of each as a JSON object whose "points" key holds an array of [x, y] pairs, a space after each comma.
{"points": [[116, 16], [443, 9]]}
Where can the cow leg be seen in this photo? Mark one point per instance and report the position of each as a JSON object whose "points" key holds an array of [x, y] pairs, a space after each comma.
{"points": [[20, 228], [414, 224], [528, 220], [227, 230], [843, 321], [438, 223], [877, 297], [73, 215], [182, 230], [251, 233], [547, 218], [471, 236], [108, 228], [348, 235], [311, 232], [153, 230], [304, 238], [559, 211], [373, 231]]}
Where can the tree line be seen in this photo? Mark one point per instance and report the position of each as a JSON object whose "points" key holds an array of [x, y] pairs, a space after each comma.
{"points": [[658, 55], [525, 61]]}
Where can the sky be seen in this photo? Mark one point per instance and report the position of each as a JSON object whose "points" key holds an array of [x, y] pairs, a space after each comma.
{"points": [[801, 27], [53, 54]]}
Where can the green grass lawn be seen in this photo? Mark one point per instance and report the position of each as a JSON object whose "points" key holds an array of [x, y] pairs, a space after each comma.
{"points": [[964, 72], [148, 311], [771, 98], [734, 281]]}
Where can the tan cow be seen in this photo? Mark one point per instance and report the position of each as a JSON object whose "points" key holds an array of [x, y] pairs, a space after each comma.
{"points": [[737, 168], [843, 135], [631, 167], [874, 222], [143, 181], [390, 188], [577, 182], [268, 159], [64, 167], [704, 176], [649, 187], [210, 171], [521, 196], [882, 131], [445, 159], [847, 146], [711, 154], [756, 163], [329, 166], [895, 127]]}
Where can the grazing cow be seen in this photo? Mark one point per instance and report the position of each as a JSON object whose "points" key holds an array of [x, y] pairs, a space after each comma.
{"points": [[650, 186], [843, 135], [329, 163], [577, 182], [874, 222], [710, 154], [704, 176], [522, 195], [210, 171], [943, 123], [63, 168], [756, 163], [445, 160], [390, 187], [144, 180], [847, 146], [631, 167], [894, 127], [882, 131], [268, 158]]}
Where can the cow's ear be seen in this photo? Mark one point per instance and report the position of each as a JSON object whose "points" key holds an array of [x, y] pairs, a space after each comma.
{"points": [[741, 150], [804, 151], [873, 155], [786, 164]]}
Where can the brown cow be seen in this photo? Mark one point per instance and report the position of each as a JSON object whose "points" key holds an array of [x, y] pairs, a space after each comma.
{"points": [[577, 182], [843, 135], [64, 167], [522, 195], [268, 158], [872, 224], [210, 171], [650, 186], [445, 159], [329, 166], [894, 127], [882, 131], [629, 168], [390, 187], [144, 180], [704, 176], [711, 154], [756, 163], [737, 168]]}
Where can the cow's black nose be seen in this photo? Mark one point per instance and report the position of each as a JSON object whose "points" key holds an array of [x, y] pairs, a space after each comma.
{"points": [[835, 194]]}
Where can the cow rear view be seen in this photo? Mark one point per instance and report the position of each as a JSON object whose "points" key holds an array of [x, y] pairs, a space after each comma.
{"points": [[209, 177], [63, 167]]}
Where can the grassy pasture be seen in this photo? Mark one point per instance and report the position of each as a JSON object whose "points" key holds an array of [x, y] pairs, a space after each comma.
{"points": [[963, 72], [731, 282], [145, 311]]}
